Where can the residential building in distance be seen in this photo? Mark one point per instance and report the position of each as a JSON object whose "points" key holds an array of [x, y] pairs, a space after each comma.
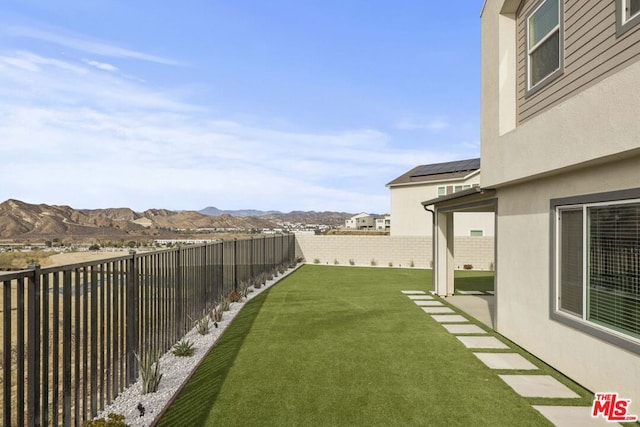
{"points": [[383, 223], [362, 221], [560, 149], [426, 182]]}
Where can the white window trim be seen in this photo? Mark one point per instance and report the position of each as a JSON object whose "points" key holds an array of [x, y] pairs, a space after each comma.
{"points": [[580, 322], [559, 28], [623, 22]]}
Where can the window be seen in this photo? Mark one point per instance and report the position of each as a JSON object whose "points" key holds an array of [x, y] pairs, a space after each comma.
{"points": [[476, 233], [597, 256], [627, 15], [442, 191], [544, 43]]}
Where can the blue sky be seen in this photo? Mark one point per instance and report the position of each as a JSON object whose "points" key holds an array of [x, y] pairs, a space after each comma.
{"points": [[281, 104]]}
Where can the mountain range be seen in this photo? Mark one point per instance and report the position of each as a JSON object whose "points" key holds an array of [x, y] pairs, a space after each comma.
{"points": [[24, 220]]}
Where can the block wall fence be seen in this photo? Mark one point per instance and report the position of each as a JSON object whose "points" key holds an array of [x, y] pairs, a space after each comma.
{"points": [[401, 251]]}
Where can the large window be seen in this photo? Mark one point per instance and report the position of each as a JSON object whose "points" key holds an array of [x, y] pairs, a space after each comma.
{"points": [[598, 265], [628, 15], [544, 44]]}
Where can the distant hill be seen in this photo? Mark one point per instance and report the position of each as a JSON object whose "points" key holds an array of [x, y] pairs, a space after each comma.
{"points": [[24, 221], [213, 211]]}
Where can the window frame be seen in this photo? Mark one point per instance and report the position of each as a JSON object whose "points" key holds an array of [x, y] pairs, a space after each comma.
{"points": [[580, 323], [476, 230], [624, 23], [532, 89]]}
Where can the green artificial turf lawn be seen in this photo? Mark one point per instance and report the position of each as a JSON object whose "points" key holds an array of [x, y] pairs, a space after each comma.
{"points": [[342, 346], [466, 280]]}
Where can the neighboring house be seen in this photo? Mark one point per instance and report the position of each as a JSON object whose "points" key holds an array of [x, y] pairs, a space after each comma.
{"points": [[560, 152], [362, 221], [383, 223], [429, 181]]}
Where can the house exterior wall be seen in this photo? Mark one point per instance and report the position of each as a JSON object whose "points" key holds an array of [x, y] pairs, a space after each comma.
{"points": [[399, 250], [410, 218], [579, 135], [592, 52]]}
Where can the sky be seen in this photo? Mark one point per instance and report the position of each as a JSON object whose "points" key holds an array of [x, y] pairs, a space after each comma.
{"points": [[238, 104]]}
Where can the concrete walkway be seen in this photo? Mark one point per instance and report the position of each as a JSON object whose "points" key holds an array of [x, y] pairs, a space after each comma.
{"points": [[497, 355]]}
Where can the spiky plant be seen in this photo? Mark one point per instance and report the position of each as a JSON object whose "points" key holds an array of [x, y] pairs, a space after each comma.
{"points": [[149, 372], [202, 325], [183, 348]]}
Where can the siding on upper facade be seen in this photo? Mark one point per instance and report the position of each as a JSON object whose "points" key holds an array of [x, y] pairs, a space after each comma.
{"points": [[592, 51]]}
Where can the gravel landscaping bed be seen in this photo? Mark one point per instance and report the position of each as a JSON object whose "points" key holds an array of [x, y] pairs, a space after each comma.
{"points": [[175, 370]]}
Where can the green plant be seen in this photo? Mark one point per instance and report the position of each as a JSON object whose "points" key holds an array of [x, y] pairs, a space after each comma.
{"points": [[374, 262], [270, 276], [335, 261], [183, 348], [225, 303], [468, 267], [316, 261], [149, 372], [281, 269], [216, 314], [112, 420], [202, 325], [352, 262], [390, 264], [245, 288], [412, 264]]}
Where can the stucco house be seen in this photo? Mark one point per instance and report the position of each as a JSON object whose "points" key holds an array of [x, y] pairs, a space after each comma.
{"points": [[435, 180], [362, 221], [560, 140], [383, 223]]}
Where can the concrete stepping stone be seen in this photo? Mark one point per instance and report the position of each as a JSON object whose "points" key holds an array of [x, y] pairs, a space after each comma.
{"points": [[420, 297], [481, 342], [430, 303], [414, 292], [437, 310], [449, 318], [505, 361], [572, 416], [464, 329], [470, 292], [537, 386]]}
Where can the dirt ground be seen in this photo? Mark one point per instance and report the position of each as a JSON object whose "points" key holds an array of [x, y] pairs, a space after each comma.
{"points": [[76, 257]]}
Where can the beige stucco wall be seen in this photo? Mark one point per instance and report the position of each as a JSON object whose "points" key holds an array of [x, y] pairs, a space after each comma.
{"points": [[523, 287], [577, 131], [399, 250], [408, 217]]}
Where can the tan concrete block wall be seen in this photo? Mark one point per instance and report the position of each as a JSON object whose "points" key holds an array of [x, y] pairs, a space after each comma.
{"points": [[398, 250]]}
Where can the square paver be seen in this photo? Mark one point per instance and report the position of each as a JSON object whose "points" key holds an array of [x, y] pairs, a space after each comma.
{"points": [[482, 342], [537, 386], [464, 329], [470, 292], [414, 292], [420, 297], [449, 318], [430, 303], [505, 361], [572, 416], [437, 310]]}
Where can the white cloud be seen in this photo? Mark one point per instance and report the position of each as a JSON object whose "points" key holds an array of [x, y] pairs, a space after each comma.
{"points": [[101, 65], [104, 141], [83, 44]]}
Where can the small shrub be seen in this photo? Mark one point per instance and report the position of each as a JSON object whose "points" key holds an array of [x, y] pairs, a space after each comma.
{"points": [[468, 267], [257, 284], [491, 266], [112, 420], [183, 348], [149, 373], [390, 264], [225, 303], [335, 261], [216, 314], [281, 269], [352, 262], [374, 262], [412, 264], [316, 261], [244, 289], [234, 296], [202, 325]]}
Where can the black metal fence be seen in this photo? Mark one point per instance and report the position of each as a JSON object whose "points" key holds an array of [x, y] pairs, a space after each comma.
{"points": [[71, 333]]}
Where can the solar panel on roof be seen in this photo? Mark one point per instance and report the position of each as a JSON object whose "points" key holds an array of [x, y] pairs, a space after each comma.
{"points": [[447, 167]]}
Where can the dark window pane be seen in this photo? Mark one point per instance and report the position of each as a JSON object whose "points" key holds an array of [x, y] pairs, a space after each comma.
{"points": [[634, 8], [571, 261], [543, 21], [545, 59]]}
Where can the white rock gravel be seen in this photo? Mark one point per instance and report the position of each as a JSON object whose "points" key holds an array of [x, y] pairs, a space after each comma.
{"points": [[175, 370]]}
